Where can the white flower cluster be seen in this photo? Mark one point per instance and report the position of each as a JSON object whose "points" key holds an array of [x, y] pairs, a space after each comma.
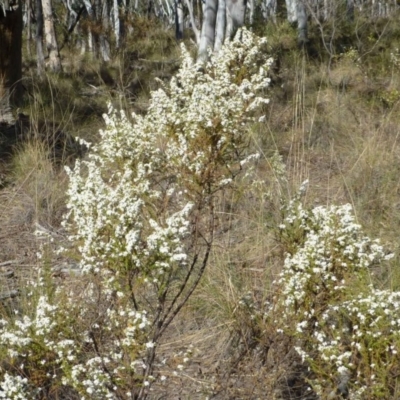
{"points": [[101, 376], [140, 214], [18, 336], [29, 338], [346, 330], [13, 388], [185, 145], [46, 338], [91, 379], [332, 250]]}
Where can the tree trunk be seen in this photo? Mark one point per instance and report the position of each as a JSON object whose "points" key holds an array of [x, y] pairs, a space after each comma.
{"points": [[296, 12], [91, 45], [100, 39], [251, 14], [221, 24], [116, 23], [236, 11], [28, 26], [208, 30], [50, 37], [90, 37], [39, 37], [326, 10], [179, 20], [302, 23], [268, 9], [291, 8], [10, 57], [104, 47], [189, 4]]}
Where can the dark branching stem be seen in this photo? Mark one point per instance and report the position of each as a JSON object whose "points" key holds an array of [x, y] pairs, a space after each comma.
{"points": [[132, 293], [164, 318], [190, 291], [174, 309], [171, 313]]}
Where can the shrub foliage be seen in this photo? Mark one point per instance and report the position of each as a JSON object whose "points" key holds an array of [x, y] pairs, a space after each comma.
{"points": [[344, 328], [141, 219]]}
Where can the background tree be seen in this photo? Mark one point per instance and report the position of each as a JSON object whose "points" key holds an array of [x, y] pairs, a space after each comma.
{"points": [[208, 29], [39, 37], [296, 13], [10, 56], [221, 20], [50, 35], [179, 19]]}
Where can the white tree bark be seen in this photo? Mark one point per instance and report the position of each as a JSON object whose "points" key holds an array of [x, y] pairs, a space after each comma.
{"points": [[189, 4], [50, 37], [296, 12], [39, 37], [326, 10], [116, 23], [236, 11], [220, 25], [28, 14], [302, 23], [104, 44], [207, 38], [90, 41], [291, 9], [82, 44], [10, 58], [251, 13], [268, 9]]}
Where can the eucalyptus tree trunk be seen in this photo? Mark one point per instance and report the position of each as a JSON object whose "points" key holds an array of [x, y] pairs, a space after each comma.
{"points": [[296, 12], [326, 10], [221, 20], [179, 20], [28, 26], [302, 23], [98, 44], [291, 9], [251, 13], [220, 27], [10, 57], [169, 11], [116, 22], [90, 37], [102, 41], [50, 37], [82, 41], [189, 4], [207, 38], [268, 9], [39, 37], [236, 12]]}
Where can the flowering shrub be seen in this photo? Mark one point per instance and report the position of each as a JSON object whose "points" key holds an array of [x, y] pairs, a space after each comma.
{"points": [[141, 215], [345, 329]]}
